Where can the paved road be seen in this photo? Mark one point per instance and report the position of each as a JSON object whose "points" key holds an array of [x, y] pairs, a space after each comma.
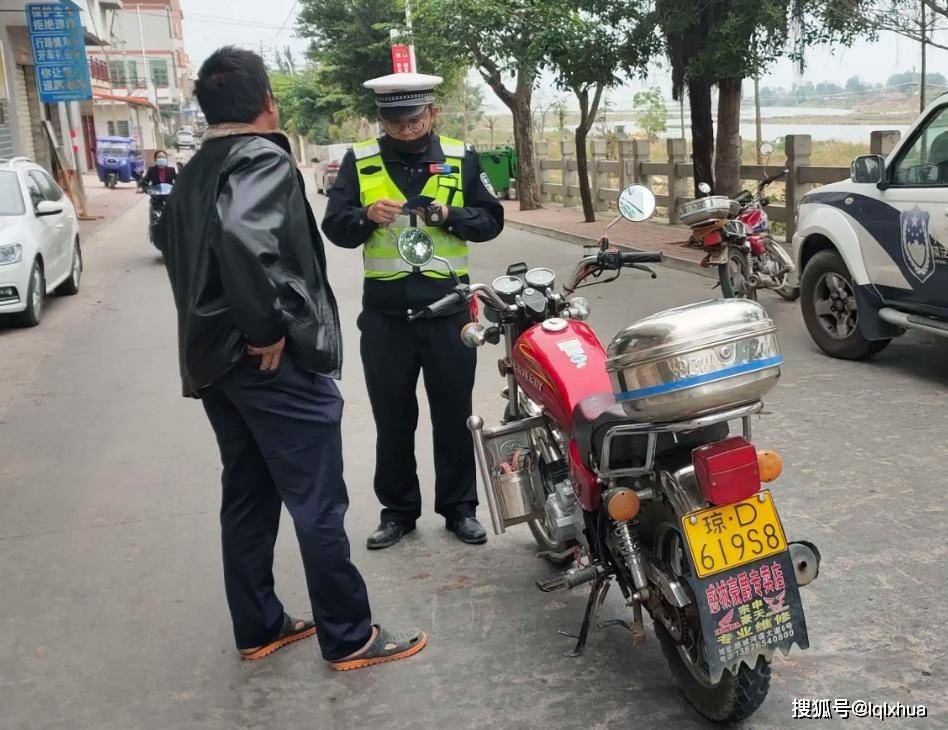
{"points": [[112, 611]]}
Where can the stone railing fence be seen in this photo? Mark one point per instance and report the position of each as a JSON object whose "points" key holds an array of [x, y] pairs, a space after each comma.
{"points": [[670, 177]]}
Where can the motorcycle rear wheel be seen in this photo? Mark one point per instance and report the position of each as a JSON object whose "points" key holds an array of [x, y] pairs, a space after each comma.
{"points": [[733, 697]]}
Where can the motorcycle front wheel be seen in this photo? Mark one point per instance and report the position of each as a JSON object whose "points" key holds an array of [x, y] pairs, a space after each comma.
{"points": [[733, 697], [734, 275]]}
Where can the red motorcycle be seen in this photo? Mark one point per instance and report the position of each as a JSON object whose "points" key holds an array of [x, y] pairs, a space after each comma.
{"points": [[621, 462], [736, 236]]}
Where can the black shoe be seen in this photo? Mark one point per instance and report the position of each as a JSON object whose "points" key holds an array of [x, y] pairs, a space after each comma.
{"points": [[387, 534], [468, 530]]}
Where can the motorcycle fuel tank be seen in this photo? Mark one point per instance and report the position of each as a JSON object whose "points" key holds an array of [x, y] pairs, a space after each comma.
{"points": [[558, 363]]}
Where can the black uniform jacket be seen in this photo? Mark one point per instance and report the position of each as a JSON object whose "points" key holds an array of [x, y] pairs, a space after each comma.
{"points": [[346, 224], [246, 261], [151, 176]]}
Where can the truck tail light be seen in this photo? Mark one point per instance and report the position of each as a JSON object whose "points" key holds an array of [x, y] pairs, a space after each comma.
{"points": [[332, 166], [713, 238], [727, 471]]}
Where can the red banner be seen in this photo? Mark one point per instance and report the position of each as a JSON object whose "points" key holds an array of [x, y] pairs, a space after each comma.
{"points": [[401, 59]]}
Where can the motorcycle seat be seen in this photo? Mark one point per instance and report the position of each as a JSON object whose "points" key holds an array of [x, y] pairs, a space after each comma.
{"points": [[596, 415]]}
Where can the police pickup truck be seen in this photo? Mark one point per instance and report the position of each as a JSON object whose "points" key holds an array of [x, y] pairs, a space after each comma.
{"points": [[872, 251]]}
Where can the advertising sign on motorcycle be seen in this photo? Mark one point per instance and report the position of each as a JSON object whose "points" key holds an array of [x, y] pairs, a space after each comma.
{"points": [[749, 610]]}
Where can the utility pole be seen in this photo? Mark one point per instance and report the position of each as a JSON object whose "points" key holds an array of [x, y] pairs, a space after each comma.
{"points": [[681, 110], [760, 135], [411, 36], [149, 87], [464, 106], [924, 29]]}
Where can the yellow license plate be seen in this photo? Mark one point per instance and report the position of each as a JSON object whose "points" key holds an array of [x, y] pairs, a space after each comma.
{"points": [[734, 534]]}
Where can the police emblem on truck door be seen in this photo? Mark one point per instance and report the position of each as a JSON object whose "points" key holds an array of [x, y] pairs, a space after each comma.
{"points": [[917, 244]]}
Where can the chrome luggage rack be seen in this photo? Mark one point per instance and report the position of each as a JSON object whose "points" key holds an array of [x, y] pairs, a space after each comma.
{"points": [[653, 430]]}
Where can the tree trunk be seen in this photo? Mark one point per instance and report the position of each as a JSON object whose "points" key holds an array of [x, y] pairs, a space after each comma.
{"points": [[587, 115], [527, 189], [702, 131], [727, 158], [582, 170]]}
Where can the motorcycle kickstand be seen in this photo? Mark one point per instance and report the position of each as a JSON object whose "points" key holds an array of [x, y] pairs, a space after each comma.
{"points": [[597, 594], [636, 627]]}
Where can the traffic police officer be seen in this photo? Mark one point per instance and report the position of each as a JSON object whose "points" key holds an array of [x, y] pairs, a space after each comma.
{"points": [[411, 163]]}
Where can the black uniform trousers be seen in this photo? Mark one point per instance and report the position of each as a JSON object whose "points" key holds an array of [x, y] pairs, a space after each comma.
{"points": [[394, 350], [280, 442]]}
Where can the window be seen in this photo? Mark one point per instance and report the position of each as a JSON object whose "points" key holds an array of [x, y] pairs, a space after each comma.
{"points": [[48, 188], [926, 161], [110, 127], [11, 199], [133, 78], [122, 129], [36, 196], [159, 72], [117, 72]]}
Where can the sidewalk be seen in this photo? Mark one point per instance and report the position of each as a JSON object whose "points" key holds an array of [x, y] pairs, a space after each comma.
{"points": [[104, 203], [566, 224]]}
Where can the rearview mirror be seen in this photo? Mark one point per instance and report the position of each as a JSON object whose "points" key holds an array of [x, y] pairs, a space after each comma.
{"points": [[766, 149], [636, 203], [415, 247], [868, 169], [704, 188], [48, 207]]}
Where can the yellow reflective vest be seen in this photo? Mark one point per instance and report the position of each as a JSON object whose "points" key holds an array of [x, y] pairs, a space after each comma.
{"points": [[379, 254]]}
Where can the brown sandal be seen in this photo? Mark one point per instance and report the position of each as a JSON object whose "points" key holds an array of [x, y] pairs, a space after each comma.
{"points": [[293, 629], [387, 647]]}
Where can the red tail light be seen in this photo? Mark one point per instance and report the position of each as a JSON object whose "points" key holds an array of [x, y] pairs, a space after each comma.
{"points": [[333, 166], [727, 470], [713, 238]]}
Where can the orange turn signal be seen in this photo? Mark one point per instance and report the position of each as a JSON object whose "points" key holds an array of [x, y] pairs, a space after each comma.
{"points": [[770, 465], [622, 504]]}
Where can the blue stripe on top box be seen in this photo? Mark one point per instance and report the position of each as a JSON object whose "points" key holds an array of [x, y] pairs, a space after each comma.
{"points": [[749, 367]]}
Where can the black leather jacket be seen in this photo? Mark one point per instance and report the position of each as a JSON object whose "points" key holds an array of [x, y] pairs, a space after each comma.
{"points": [[246, 261]]}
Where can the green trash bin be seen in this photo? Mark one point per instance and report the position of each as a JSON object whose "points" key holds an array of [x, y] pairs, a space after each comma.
{"points": [[500, 164]]}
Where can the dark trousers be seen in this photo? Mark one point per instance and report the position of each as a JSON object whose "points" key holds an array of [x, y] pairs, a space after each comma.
{"points": [[280, 442], [394, 351]]}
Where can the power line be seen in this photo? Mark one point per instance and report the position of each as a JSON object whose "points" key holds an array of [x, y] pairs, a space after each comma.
{"points": [[287, 18]]}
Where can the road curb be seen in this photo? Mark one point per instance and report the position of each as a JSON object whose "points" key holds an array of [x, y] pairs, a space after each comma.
{"points": [[672, 262]]}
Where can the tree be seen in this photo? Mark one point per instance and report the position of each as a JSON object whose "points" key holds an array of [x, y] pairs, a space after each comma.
{"points": [[723, 42], [653, 114], [560, 109], [505, 40], [350, 43], [542, 104], [306, 108], [461, 109], [589, 47]]}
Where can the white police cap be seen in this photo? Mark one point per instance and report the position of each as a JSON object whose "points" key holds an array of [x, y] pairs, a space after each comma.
{"points": [[403, 92]]}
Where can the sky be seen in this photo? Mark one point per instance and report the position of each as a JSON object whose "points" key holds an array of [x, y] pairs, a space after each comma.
{"points": [[209, 24]]}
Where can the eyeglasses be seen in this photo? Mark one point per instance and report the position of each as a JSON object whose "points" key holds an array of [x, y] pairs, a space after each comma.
{"points": [[412, 125]]}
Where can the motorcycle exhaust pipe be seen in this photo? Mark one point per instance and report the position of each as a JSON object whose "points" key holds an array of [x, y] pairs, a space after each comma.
{"points": [[806, 561]]}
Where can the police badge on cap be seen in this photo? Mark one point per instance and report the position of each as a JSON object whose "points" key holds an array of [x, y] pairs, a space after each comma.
{"points": [[403, 95]]}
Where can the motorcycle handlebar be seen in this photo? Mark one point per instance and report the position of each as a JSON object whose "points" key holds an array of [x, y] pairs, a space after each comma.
{"points": [[439, 307], [640, 257]]}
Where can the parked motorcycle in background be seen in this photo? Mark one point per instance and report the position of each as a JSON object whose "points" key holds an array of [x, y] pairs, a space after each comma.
{"points": [[621, 461], [736, 237]]}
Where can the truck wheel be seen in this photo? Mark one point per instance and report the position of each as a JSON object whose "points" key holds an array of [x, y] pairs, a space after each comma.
{"points": [[828, 301]]}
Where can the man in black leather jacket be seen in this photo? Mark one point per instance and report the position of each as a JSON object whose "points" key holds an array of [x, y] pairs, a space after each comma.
{"points": [[259, 344]]}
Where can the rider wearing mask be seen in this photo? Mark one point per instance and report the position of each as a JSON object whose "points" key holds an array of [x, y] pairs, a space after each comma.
{"points": [[160, 172], [443, 183]]}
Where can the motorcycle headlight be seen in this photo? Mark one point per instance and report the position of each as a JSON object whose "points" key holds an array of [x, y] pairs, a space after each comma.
{"points": [[11, 254]]}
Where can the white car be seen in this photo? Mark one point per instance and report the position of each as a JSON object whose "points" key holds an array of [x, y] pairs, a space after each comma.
{"points": [[184, 138], [872, 251], [39, 240]]}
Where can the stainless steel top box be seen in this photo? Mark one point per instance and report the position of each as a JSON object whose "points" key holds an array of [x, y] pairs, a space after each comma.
{"points": [[693, 359], [702, 210]]}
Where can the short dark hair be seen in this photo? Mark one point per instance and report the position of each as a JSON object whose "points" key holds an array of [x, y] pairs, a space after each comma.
{"points": [[232, 86], [160, 152]]}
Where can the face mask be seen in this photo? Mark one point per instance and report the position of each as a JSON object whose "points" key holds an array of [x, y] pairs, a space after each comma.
{"points": [[410, 146], [161, 162]]}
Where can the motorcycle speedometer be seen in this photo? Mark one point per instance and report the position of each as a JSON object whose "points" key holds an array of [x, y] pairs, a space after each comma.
{"points": [[507, 287], [540, 278]]}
